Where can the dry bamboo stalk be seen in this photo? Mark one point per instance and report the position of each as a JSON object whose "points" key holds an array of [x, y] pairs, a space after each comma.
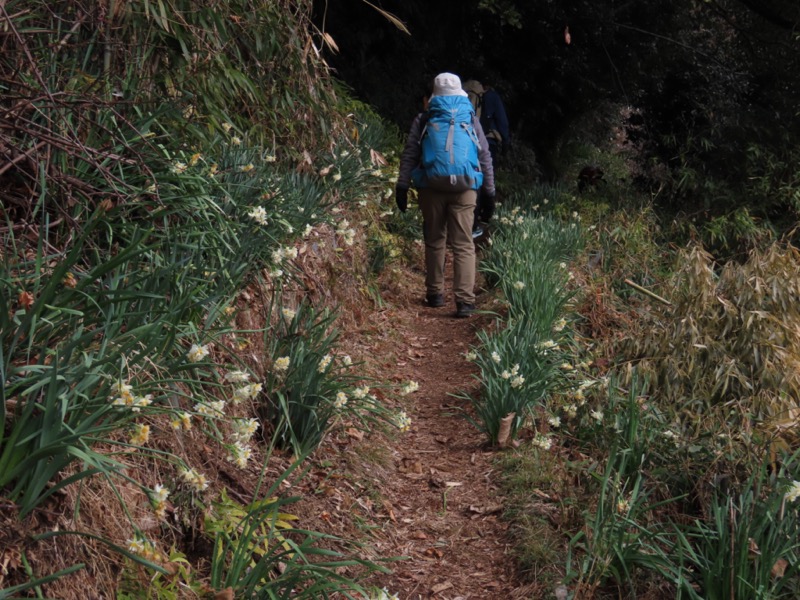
{"points": [[647, 292]]}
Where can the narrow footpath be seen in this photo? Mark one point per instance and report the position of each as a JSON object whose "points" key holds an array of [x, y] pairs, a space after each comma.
{"points": [[441, 497]]}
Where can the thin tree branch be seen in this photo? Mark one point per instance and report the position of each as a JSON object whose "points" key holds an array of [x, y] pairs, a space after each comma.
{"points": [[22, 156]]}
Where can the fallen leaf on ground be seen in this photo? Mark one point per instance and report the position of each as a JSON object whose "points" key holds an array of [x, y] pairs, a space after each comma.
{"points": [[25, 299], [387, 506], [486, 510], [440, 587], [355, 434], [410, 465]]}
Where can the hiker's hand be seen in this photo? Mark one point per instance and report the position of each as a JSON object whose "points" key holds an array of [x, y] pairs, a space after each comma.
{"points": [[487, 207], [401, 197]]}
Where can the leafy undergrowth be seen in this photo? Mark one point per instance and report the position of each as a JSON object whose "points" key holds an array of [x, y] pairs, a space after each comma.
{"points": [[170, 330], [664, 464]]}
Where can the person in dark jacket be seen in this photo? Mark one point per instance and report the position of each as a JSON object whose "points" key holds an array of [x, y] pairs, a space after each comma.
{"points": [[492, 113], [448, 215]]}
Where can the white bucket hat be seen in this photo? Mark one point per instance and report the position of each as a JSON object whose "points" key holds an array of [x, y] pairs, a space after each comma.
{"points": [[447, 84]]}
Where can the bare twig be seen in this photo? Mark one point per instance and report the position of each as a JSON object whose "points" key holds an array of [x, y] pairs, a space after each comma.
{"points": [[22, 156], [72, 30]]}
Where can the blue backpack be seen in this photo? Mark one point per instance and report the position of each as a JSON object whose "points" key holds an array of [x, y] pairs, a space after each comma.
{"points": [[449, 147]]}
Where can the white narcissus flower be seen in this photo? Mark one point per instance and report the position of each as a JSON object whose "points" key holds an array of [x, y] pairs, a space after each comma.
{"points": [[259, 215], [403, 421], [324, 363], [240, 454], [197, 480], [361, 393], [140, 435], [793, 493], [160, 493], [181, 420], [197, 353], [237, 377], [243, 429], [410, 388], [542, 441], [247, 392]]}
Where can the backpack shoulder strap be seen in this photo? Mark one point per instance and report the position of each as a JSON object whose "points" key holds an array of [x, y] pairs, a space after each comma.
{"points": [[424, 117], [476, 100]]}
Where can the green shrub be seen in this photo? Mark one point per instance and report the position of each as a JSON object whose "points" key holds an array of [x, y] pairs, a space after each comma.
{"points": [[618, 538], [520, 361], [308, 385], [747, 547], [260, 554], [517, 371]]}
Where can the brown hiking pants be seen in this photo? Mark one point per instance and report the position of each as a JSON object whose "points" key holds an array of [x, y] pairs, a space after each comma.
{"points": [[448, 218]]}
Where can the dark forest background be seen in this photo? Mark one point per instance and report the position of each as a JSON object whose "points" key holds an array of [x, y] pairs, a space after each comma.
{"points": [[709, 87]]}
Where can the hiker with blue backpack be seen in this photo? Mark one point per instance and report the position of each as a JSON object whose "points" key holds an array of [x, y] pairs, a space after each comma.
{"points": [[447, 158]]}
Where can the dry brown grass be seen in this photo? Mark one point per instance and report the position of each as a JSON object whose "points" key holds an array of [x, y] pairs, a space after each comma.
{"points": [[730, 339]]}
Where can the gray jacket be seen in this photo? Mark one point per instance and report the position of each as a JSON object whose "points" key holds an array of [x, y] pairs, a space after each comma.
{"points": [[412, 154]]}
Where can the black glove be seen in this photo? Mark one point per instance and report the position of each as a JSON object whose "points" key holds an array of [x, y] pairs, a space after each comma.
{"points": [[487, 207], [401, 197]]}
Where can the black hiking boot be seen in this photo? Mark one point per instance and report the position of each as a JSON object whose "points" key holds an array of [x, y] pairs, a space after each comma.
{"points": [[434, 300], [464, 309]]}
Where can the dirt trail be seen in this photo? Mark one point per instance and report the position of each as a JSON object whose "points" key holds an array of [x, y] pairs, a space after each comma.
{"points": [[442, 498]]}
